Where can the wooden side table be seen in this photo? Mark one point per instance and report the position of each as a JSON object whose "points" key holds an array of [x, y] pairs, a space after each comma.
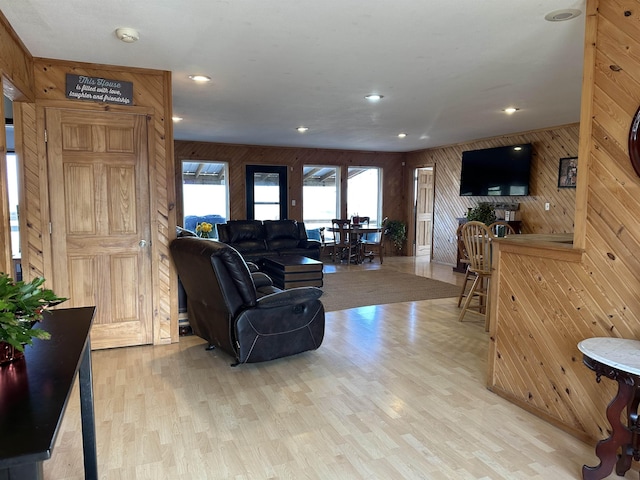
{"points": [[619, 360]]}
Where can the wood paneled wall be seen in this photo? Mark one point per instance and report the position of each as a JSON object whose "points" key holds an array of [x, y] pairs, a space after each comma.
{"points": [[152, 96], [15, 64], [239, 156], [546, 305], [37, 83], [549, 146], [16, 82]]}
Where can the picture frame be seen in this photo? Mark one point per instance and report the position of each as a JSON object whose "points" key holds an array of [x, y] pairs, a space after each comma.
{"points": [[568, 172]]}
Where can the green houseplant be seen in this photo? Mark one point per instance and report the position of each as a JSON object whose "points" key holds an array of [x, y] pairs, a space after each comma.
{"points": [[483, 212], [21, 307], [396, 230]]}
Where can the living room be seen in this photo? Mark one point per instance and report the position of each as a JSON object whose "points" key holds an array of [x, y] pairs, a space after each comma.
{"points": [[595, 296]]}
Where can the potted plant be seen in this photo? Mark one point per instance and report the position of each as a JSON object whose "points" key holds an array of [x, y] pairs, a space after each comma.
{"points": [[21, 307], [396, 230], [483, 212]]}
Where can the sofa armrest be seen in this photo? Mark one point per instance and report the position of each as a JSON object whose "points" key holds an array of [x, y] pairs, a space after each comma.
{"points": [[261, 279], [309, 243], [252, 267], [289, 297]]}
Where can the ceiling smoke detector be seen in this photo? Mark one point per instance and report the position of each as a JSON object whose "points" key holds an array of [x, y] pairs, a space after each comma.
{"points": [[127, 35], [562, 15]]}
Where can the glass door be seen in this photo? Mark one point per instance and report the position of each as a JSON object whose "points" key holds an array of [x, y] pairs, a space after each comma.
{"points": [[266, 192]]}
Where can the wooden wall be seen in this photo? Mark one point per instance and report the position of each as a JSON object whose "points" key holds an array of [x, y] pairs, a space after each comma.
{"points": [[16, 79], [549, 146], [152, 97], [239, 156], [34, 84], [547, 304]]}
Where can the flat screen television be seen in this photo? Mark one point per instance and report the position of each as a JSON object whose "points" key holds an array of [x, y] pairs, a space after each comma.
{"points": [[500, 171]]}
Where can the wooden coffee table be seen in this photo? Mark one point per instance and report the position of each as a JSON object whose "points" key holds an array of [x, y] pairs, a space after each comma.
{"points": [[289, 271]]}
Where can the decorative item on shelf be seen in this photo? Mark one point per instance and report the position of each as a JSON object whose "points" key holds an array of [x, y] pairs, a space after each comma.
{"points": [[21, 307], [483, 212], [204, 229], [396, 230], [355, 219]]}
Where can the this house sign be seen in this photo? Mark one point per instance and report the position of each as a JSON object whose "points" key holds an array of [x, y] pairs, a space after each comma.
{"points": [[96, 89]]}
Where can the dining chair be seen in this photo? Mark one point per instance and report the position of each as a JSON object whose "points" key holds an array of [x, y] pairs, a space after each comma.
{"points": [[372, 243], [342, 245], [464, 260], [477, 242], [501, 229]]}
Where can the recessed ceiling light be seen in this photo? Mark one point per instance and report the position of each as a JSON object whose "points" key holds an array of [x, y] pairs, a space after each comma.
{"points": [[374, 97], [302, 129], [517, 149], [402, 135], [200, 78], [562, 15], [177, 119], [510, 110], [127, 35]]}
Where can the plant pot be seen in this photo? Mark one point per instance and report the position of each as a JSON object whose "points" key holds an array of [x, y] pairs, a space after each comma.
{"points": [[8, 353]]}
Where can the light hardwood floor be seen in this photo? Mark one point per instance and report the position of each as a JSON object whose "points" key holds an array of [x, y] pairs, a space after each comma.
{"points": [[395, 392]]}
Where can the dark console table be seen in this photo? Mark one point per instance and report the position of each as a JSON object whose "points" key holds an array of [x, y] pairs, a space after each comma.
{"points": [[619, 360], [34, 392]]}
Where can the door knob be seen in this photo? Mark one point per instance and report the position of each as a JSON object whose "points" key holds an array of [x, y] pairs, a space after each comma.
{"points": [[142, 243]]}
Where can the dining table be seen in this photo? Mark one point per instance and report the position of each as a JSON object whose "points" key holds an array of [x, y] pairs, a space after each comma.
{"points": [[355, 234]]}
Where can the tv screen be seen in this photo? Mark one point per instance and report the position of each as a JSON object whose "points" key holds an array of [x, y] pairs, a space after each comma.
{"points": [[500, 171]]}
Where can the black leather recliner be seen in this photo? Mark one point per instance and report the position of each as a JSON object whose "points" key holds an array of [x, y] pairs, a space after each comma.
{"points": [[224, 307]]}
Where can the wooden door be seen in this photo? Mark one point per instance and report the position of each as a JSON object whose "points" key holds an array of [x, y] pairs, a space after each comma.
{"points": [[424, 211], [100, 221]]}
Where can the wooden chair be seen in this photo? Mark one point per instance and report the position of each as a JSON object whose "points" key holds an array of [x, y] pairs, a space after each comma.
{"points": [[323, 242], [373, 243], [342, 246], [477, 241], [501, 229], [464, 259]]}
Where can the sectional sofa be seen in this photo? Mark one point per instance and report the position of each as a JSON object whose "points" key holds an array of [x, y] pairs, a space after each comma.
{"points": [[256, 239]]}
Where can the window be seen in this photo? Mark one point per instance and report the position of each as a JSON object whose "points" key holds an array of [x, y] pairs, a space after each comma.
{"points": [[205, 193], [321, 196], [364, 193]]}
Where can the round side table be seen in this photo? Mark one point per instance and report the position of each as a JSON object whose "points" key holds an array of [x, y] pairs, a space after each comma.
{"points": [[619, 360]]}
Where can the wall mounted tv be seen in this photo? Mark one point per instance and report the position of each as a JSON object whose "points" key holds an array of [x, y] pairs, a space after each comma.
{"points": [[500, 171]]}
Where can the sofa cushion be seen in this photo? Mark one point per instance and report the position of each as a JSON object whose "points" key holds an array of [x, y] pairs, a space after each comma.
{"points": [[245, 230], [281, 234], [248, 246], [277, 229]]}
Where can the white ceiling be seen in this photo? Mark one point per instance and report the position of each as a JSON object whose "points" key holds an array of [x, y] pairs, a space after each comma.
{"points": [[446, 68]]}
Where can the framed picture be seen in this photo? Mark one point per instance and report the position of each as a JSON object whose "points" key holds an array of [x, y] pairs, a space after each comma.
{"points": [[568, 172]]}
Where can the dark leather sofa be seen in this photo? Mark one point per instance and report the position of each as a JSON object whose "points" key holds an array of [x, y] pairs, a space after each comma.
{"points": [[225, 308], [256, 239]]}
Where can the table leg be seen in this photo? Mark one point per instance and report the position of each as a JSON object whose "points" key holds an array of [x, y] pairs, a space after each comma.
{"points": [[28, 471], [621, 436], [88, 416], [630, 450]]}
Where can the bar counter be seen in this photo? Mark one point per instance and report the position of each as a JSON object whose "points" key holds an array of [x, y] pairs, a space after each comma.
{"points": [[533, 328]]}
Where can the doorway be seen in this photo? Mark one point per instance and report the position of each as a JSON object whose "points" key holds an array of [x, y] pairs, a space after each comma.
{"points": [[424, 193], [266, 192], [100, 207], [12, 173]]}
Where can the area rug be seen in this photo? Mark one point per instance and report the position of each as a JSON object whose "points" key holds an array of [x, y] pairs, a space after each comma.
{"points": [[344, 290]]}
